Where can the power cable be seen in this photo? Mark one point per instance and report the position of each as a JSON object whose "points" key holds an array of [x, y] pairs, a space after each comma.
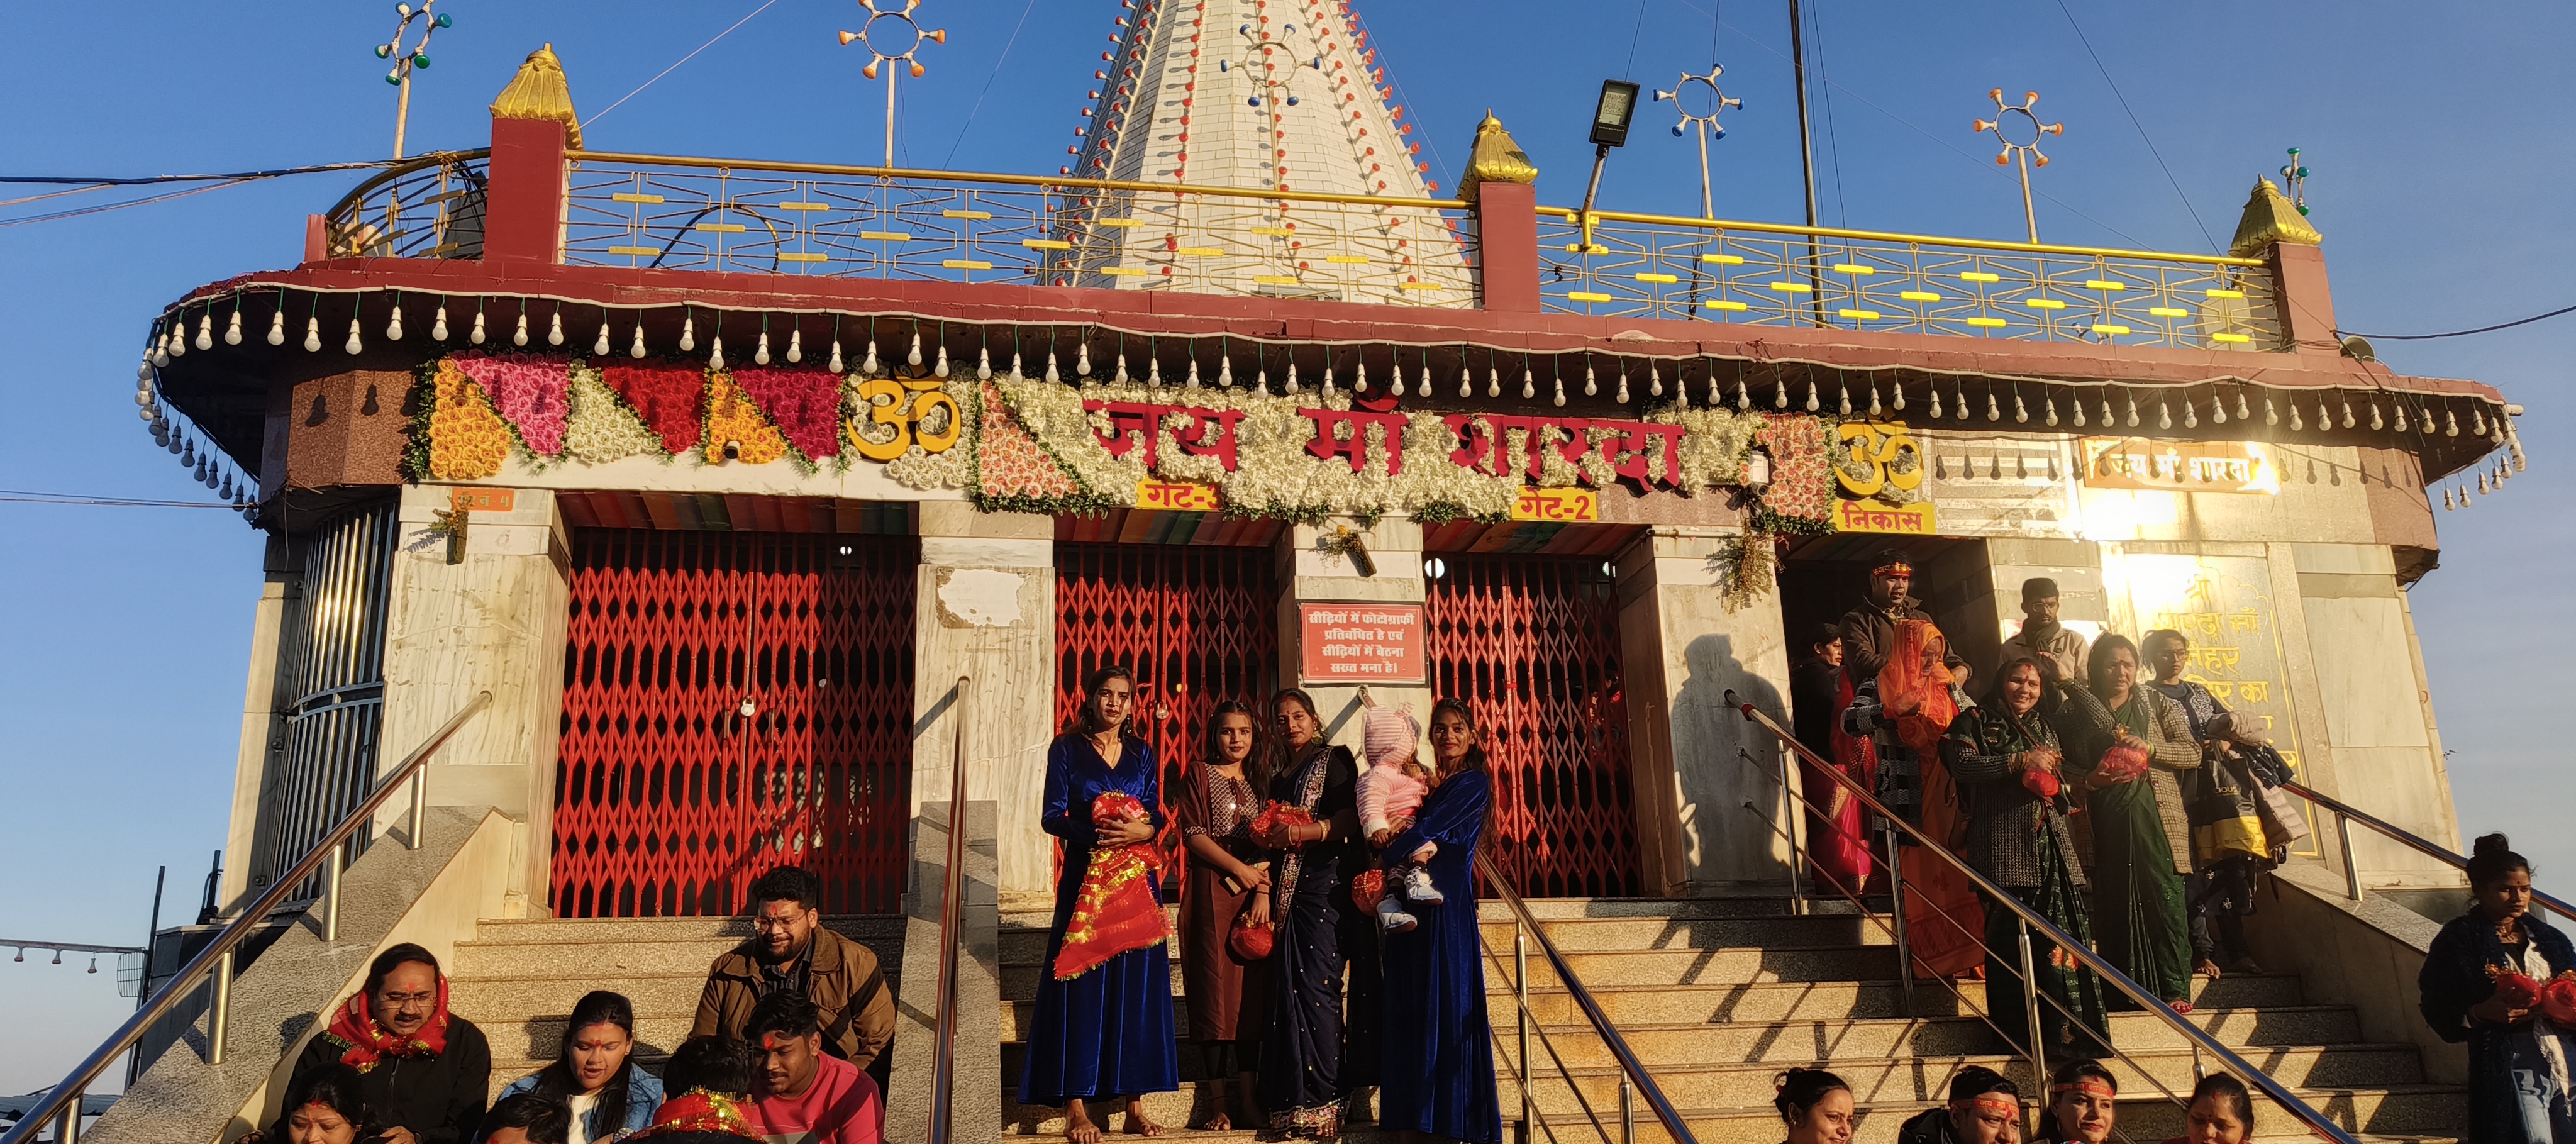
{"points": [[237, 176], [24, 496], [2133, 122], [1833, 138], [1004, 58], [2459, 333], [1633, 38], [78, 212], [675, 66]]}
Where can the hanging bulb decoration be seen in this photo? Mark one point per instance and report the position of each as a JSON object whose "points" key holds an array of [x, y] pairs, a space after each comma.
{"points": [[1493, 381], [2401, 416], [2446, 501], [760, 349], [1780, 393], [277, 326], [1994, 411], [2164, 414], [1015, 366], [2482, 482], [2190, 413], [554, 328], [313, 335], [600, 348], [2297, 423], [1743, 400], [1813, 404], [1560, 390], [912, 357], [1959, 400], [438, 324], [2450, 423], [1466, 379], [2272, 416], [1052, 375], [160, 354], [689, 335], [796, 346], [2477, 421], [1421, 387], [984, 364], [1591, 386], [1622, 395], [232, 327], [1119, 377], [2242, 413], [1359, 376], [1190, 382], [2218, 410], [1082, 359], [476, 335], [2375, 421], [1529, 383], [2078, 403], [938, 368], [2051, 405], [519, 337], [206, 328], [177, 337], [2021, 412], [1875, 410], [635, 348], [715, 351], [2133, 411], [1260, 379], [1655, 383], [354, 345], [1936, 404], [1897, 398], [868, 365], [1290, 385]]}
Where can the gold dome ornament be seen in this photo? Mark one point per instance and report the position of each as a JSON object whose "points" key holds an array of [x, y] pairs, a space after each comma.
{"points": [[1496, 159], [540, 91], [2270, 217]]}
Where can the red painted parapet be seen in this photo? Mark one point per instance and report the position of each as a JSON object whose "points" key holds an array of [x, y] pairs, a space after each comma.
{"points": [[2305, 300], [1507, 247], [524, 208]]}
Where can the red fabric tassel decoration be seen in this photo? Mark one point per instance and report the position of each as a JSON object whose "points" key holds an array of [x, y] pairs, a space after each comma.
{"points": [[1116, 910]]}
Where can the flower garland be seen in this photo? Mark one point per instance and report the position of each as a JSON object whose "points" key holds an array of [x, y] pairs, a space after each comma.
{"points": [[1014, 472], [528, 391], [667, 396], [467, 440], [735, 429], [600, 427], [1800, 499], [805, 405]]}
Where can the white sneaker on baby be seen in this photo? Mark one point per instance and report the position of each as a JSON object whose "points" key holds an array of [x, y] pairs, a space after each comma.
{"points": [[1391, 916], [1417, 886]]}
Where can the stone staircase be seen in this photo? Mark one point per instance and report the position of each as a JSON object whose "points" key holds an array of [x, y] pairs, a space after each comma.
{"points": [[1716, 996], [518, 979]]}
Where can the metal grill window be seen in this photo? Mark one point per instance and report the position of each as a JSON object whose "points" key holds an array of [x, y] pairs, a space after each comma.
{"points": [[330, 666]]}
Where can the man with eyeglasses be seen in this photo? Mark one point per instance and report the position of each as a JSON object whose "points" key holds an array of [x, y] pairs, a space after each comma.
{"points": [[790, 950], [426, 1072]]}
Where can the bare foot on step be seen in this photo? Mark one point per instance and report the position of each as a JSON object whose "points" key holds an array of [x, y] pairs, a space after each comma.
{"points": [[1078, 1128], [1137, 1124]]}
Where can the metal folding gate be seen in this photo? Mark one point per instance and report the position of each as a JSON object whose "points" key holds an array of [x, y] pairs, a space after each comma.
{"points": [[331, 674], [1197, 624], [1532, 643], [733, 701]]}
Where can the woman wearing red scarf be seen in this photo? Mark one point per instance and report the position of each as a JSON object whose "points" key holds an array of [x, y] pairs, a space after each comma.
{"points": [[426, 1072], [1905, 711]]}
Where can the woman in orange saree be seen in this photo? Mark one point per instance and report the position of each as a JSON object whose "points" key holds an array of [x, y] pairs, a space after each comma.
{"points": [[1917, 699]]}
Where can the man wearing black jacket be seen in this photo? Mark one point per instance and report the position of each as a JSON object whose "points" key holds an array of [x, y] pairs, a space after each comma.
{"points": [[1984, 1108], [427, 1073]]}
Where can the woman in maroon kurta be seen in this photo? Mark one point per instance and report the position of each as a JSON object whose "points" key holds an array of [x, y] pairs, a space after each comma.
{"points": [[1228, 874]]}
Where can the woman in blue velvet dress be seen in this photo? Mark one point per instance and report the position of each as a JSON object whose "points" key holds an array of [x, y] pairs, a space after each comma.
{"points": [[1315, 1065], [1108, 1032], [1438, 1062]]}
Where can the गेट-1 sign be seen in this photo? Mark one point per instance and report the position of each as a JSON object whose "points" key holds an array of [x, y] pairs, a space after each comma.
{"points": [[1362, 643]]}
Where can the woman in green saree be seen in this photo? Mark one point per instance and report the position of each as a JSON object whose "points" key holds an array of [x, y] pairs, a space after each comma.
{"points": [[2141, 831]]}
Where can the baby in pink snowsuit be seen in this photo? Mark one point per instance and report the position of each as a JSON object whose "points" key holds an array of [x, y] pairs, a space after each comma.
{"points": [[1390, 794]]}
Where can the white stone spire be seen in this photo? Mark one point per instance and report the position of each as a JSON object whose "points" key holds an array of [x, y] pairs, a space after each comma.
{"points": [[1256, 94]]}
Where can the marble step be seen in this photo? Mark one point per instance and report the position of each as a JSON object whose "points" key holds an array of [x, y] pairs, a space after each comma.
{"points": [[1609, 935], [1036, 913], [870, 928], [1656, 968]]}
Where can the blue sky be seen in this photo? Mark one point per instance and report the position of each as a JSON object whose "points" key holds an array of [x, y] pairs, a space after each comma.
{"points": [[2441, 175]]}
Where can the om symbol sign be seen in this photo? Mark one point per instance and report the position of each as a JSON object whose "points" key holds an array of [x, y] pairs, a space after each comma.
{"points": [[911, 412], [1883, 456]]}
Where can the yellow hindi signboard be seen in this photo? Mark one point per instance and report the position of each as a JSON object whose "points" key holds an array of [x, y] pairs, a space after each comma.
{"points": [[1175, 496], [1560, 506], [2179, 466], [1872, 516]]}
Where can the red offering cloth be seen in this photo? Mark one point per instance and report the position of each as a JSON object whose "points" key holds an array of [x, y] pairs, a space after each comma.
{"points": [[1116, 910], [2558, 1001]]}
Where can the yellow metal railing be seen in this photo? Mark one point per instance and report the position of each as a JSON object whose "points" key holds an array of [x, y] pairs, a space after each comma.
{"points": [[877, 222], [1656, 266]]}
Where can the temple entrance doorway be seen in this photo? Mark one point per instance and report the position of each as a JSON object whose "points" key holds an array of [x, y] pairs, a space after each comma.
{"points": [[1823, 577], [733, 700]]}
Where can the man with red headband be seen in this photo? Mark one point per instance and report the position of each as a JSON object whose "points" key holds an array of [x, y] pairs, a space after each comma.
{"points": [[1984, 1108], [1869, 631], [2083, 1103]]}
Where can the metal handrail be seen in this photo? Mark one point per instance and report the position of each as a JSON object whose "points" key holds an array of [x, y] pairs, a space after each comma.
{"points": [[1526, 1023], [1066, 182], [62, 1103], [2346, 814], [359, 193], [2201, 1041], [1569, 214], [1634, 1078], [951, 918]]}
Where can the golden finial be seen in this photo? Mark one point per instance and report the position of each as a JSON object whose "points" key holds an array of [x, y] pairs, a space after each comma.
{"points": [[2271, 217], [540, 91], [1496, 159]]}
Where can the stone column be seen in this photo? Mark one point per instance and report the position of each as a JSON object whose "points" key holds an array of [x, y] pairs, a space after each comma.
{"points": [[492, 621], [260, 728], [1309, 574], [1684, 648], [985, 608]]}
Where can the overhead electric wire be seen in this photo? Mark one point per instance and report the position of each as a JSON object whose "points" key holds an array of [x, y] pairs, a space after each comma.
{"points": [[2133, 122], [998, 61], [1633, 38], [237, 176], [675, 64], [24, 496], [102, 209], [2461, 333]]}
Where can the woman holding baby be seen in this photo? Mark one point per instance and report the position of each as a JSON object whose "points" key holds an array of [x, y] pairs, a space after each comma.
{"points": [[1439, 1063]]}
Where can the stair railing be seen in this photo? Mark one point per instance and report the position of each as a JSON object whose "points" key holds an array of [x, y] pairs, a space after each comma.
{"points": [[952, 918], [61, 1104], [1633, 1078], [2345, 816], [2027, 922]]}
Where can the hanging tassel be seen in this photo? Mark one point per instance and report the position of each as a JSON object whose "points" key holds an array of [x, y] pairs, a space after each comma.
{"points": [[1623, 386], [1529, 383], [868, 365], [1190, 382], [476, 336], [1082, 359], [354, 345], [715, 352], [1655, 382], [688, 332], [1993, 412], [1560, 390], [600, 348], [520, 336], [912, 357], [2021, 412], [554, 329], [1591, 388], [635, 349], [796, 346], [2051, 404], [1052, 376], [1936, 404], [232, 328], [277, 327]]}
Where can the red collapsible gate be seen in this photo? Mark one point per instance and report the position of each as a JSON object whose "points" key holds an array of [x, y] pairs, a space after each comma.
{"points": [[1198, 625], [1532, 642], [733, 701]]}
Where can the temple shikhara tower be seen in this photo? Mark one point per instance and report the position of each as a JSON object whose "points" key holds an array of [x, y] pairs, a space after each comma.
{"points": [[1267, 95], [636, 523]]}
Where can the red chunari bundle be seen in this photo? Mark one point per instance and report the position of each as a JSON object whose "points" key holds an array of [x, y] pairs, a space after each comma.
{"points": [[1115, 911], [2516, 990], [2558, 1001], [2126, 760], [1279, 814], [2041, 783]]}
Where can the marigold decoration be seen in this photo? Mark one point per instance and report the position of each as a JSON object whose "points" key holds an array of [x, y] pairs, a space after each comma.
{"points": [[1801, 495], [467, 440], [600, 427], [667, 396], [1013, 472], [529, 392], [735, 429], [805, 405], [1116, 910]]}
